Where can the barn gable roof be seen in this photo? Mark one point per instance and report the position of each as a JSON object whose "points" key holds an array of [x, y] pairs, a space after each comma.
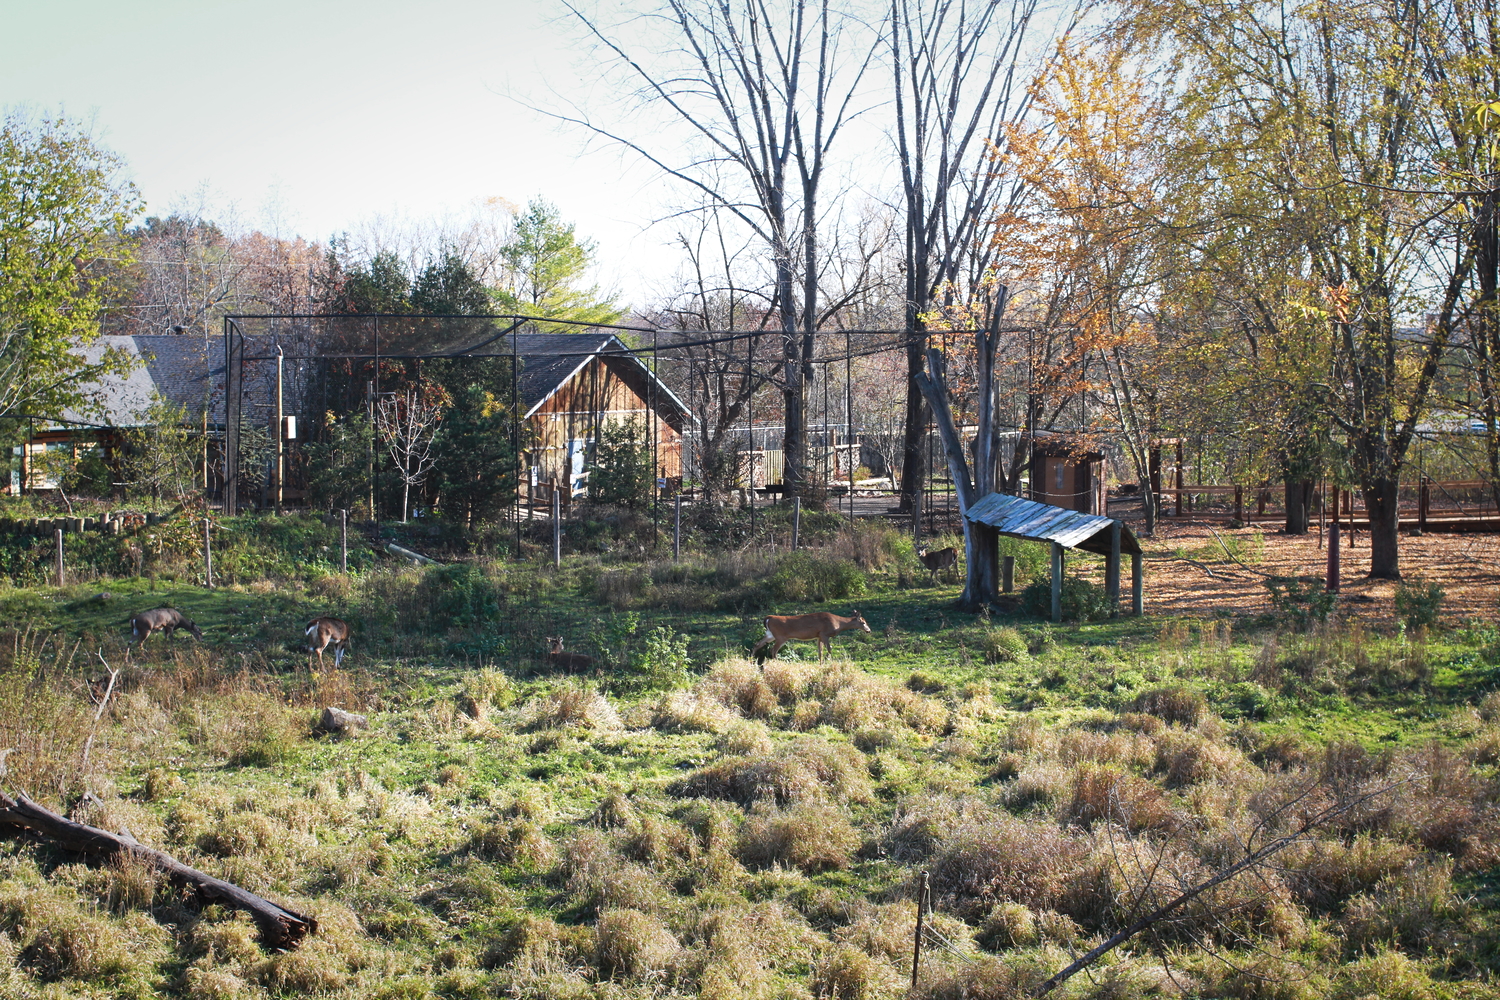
{"points": [[550, 360]]}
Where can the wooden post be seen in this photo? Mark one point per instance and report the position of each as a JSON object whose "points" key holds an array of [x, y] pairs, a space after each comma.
{"points": [[1332, 583], [208, 556], [916, 519], [1057, 581], [1239, 504], [916, 950], [61, 579], [796, 523], [677, 528], [1007, 574], [1112, 570], [1137, 584], [1180, 480], [556, 529], [343, 541], [1424, 503]]}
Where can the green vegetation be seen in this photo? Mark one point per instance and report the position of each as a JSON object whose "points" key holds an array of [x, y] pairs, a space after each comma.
{"points": [[676, 821]]}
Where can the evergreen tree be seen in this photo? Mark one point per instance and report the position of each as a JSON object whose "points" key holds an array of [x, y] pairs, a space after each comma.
{"points": [[476, 462], [548, 265]]}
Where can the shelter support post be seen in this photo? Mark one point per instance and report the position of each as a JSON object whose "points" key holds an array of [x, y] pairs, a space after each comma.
{"points": [[1137, 584], [1112, 570], [1057, 581], [1007, 574]]}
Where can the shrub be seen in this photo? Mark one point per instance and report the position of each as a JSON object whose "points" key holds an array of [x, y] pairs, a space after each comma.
{"points": [[1418, 603], [1082, 600], [1009, 925], [621, 472], [1301, 605], [661, 662], [807, 576], [1004, 645], [1009, 859]]}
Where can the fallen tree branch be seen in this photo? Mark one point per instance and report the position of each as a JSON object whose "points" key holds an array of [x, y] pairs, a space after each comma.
{"points": [[1251, 860], [279, 928]]}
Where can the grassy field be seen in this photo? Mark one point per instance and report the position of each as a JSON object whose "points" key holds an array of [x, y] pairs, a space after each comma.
{"points": [[680, 821]]}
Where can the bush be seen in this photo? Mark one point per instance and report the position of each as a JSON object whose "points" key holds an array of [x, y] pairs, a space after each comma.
{"points": [[1173, 704], [1301, 605], [1418, 603], [805, 576], [1082, 600], [1005, 645], [621, 473], [461, 595]]}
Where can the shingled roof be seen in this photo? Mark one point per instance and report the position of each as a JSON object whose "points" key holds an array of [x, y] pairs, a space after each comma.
{"points": [[549, 360]]}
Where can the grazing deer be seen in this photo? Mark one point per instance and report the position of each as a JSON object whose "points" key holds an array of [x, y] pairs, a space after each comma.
{"points": [[822, 626], [568, 661], [163, 620], [941, 559], [325, 632]]}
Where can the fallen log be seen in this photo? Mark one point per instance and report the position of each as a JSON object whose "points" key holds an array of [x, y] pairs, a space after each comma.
{"points": [[279, 928]]}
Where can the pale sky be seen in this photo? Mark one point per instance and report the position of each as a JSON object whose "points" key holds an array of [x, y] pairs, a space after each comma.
{"points": [[308, 117]]}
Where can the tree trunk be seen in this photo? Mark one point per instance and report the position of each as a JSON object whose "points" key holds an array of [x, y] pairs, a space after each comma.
{"points": [[1298, 500], [1382, 503], [914, 432]]}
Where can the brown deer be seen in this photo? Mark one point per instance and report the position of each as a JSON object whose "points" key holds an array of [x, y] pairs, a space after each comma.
{"points": [[822, 626], [939, 560], [163, 620], [325, 632], [567, 661]]}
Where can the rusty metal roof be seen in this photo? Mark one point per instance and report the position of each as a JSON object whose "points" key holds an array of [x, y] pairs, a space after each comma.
{"points": [[1041, 522]]}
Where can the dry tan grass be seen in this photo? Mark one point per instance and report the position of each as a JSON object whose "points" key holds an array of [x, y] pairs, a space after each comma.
{"points": [[633, 944], [812, 837], [807, 769], [571, 706]]}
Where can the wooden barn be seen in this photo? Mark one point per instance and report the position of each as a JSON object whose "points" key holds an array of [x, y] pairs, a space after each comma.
{"points": [[572, 385]]}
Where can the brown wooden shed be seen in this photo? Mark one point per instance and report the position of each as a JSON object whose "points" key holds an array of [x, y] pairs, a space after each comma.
{"points": [[1066, 473], [572, 385]]}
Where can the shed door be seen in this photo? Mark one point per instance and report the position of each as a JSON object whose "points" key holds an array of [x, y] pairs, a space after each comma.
{"points": [[578, 449]]}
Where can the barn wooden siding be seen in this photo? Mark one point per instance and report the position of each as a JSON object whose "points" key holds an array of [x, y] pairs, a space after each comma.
{"points": [[604, 391]]}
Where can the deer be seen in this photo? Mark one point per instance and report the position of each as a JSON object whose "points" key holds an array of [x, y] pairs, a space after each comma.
{"points": [[163, 620], [568, 661], [325, 632], [939, 560], [821, 625]]}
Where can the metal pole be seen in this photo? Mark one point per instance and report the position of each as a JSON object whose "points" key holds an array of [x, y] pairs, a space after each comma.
{"points": [[515, 438], [916, 951], [343, 541], [677, 528], [61, 579], [556, 530], [849, 419], [280, 431], [208, 556], [796, 523]]}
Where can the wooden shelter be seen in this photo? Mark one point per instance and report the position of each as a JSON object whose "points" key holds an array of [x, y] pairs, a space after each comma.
{"points": [[1066, 474], [572, 385], [1064, 529]]}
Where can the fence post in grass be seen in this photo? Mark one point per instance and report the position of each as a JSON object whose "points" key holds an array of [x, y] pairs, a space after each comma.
{"points": [[1007, 574], [1137, 584], [916, 949], [208, 556], [1057, 581], [556, 529], [343, 541], [60, 577], [1239, 504], [796, 523], [677, 528], [1112, 570]]}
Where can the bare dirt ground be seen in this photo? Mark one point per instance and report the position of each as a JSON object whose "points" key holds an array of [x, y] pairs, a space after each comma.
{"points": [[1188, 572]]}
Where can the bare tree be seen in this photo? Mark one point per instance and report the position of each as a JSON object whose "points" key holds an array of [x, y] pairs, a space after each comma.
{"points": [[765, 89], [408, 422], [955, 65]]}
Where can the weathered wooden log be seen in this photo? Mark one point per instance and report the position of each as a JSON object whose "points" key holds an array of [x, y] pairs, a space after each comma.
{"points": [[279, 928]]}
